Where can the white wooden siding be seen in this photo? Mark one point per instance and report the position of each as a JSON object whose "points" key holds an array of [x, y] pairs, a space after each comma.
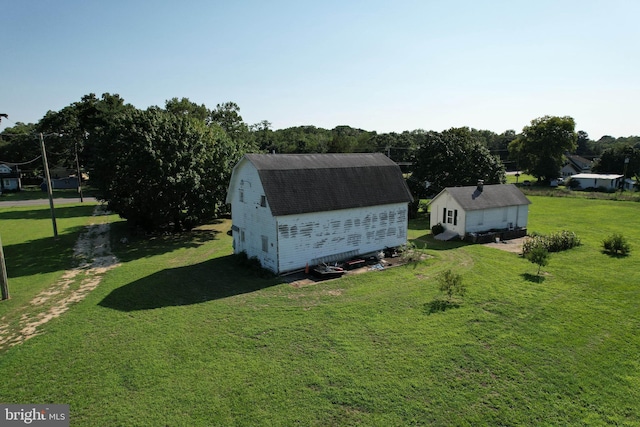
{"points": [[252, 219], [498, 218], [476, 220], [445, 201], [310, 237], [608, 183]]}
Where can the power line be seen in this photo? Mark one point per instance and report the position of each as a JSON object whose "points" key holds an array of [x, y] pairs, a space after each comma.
{"points": [[23, 163]]}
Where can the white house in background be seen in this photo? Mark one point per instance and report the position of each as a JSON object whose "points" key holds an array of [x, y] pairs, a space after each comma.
{"points": [[575, 164], [594, 180], [9, 178], [479, 209], [293, 210]]}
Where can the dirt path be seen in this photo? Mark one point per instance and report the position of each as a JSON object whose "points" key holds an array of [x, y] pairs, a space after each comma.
{"points": [[513, 245], [93, 256]]}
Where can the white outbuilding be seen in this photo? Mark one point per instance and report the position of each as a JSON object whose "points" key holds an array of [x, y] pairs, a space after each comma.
{"points": [[609, 182], [294, 210], [472, 210]]}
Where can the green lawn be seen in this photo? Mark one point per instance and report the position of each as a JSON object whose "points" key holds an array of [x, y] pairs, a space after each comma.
{"points": [[34, 192], [512, 179], [178, 335]]}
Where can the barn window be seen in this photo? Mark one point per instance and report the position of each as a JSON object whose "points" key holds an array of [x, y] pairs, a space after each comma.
{"points": [[265, 244], [242, 235], [241, 196], [263, 201]]}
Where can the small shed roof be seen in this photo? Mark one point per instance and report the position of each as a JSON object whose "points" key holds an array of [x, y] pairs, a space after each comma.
{"points": [[491, 196], [300, 183]]}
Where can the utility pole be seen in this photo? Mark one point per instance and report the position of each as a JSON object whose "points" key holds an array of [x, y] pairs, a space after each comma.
{"points": [[4, 283], [79, 176], [49, 190]]}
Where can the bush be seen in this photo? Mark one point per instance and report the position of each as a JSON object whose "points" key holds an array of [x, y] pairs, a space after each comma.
{"points": [[538, 255], [573, 184], [437, 229], [451, 284], [556, 242], [410, 253], [616, 244]]}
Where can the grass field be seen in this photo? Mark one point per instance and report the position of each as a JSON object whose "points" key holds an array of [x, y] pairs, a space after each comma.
{"points": [[178, 335], [512, 179], [35, 193]]}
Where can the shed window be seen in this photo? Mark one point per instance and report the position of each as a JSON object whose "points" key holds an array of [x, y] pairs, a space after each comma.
{"points": [[451, 216], [265, 244], [263, 201]]}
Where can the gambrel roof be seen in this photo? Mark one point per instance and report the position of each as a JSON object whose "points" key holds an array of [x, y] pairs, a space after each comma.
{"points": [[300, 183], [492, 196]]}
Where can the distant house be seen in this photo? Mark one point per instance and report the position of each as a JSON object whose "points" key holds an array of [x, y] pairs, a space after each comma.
{"points": [[10, 178], [293, 210], [480, 209], [575, 164], [69, 182], [597, 181]]}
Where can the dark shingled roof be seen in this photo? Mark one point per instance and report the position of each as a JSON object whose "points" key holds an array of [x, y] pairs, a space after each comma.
{"points": [[491, 196], [300, 183]]}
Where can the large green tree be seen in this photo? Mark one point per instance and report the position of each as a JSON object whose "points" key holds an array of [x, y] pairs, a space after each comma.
{"points": [[160, 169], [19, 144], [619, 160], [227, 116], [80, 127], [185, 107], [454, 157], [539, 149]]}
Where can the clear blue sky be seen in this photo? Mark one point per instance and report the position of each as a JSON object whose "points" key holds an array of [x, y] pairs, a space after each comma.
{"points": [[377, 65]]}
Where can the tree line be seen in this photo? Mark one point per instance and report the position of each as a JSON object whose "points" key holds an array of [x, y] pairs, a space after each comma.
{"points": [[170, 165]]}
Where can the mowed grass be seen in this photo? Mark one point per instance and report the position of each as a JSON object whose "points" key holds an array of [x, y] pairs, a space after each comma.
{"points": [[34, 258], [512, 179], [179, 335]]}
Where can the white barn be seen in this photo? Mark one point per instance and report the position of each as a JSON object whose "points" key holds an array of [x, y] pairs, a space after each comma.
{"points": [[479, 209], [293, 210]]}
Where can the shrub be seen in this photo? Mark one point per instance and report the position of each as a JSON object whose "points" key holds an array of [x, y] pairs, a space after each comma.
{"points": [[556, 242], [573, 184], [451, 284], [409, 253], [538, 255], [437, 229], [616, 244]]}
